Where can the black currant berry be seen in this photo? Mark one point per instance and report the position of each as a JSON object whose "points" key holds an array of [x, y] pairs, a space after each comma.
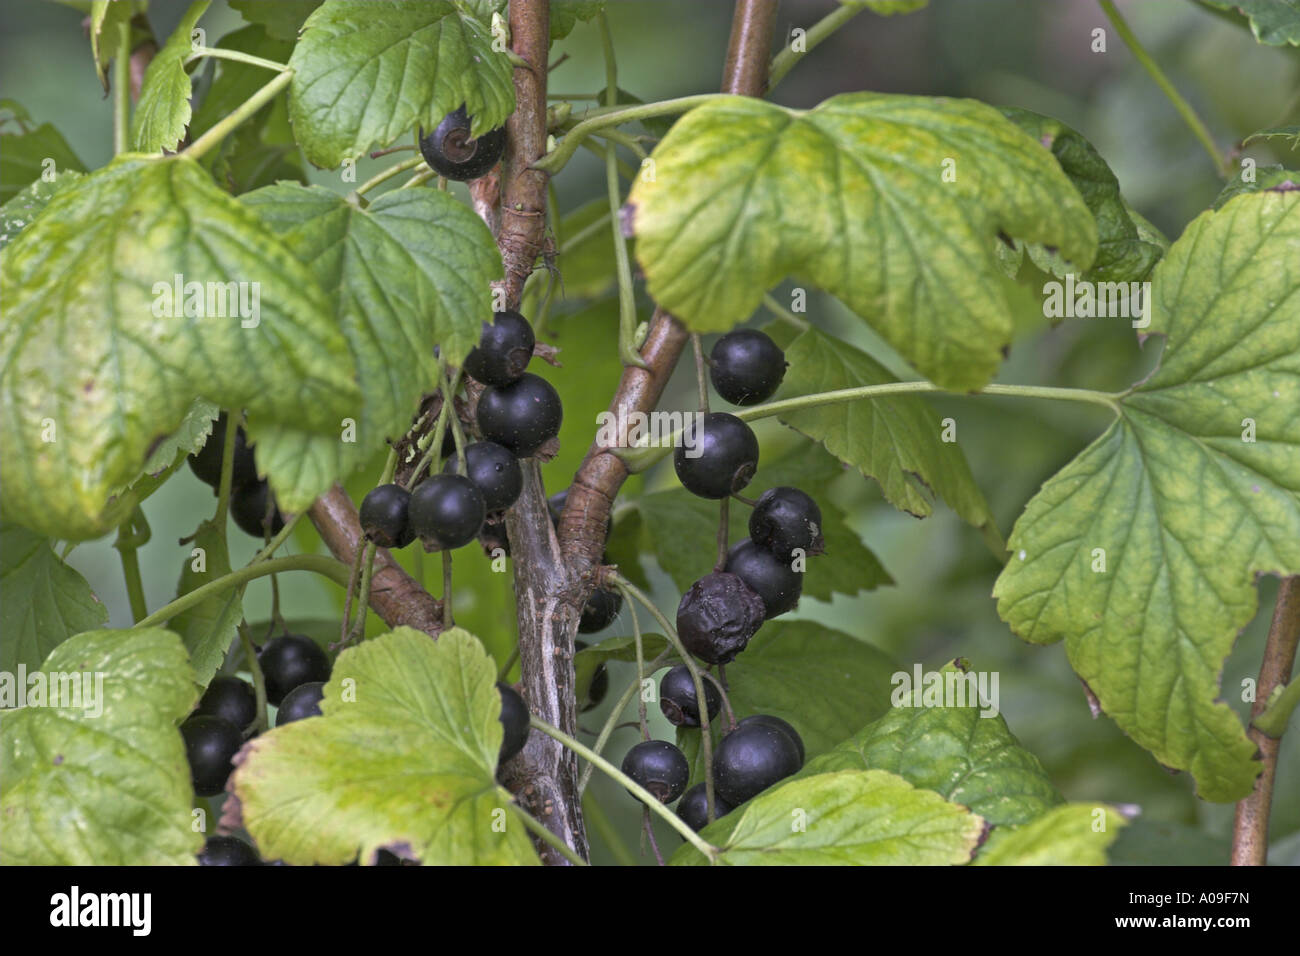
{"points": [[599, 611], [514, 722], [659, 767], [301, 702], [248, 509], [504, 349], [384, 516], [768, 576], [717, 617], [721, 458], [779, 724], [751, 758], [206, 462], [694, 808], [786, 519], [231, 699], [446, 511], [210, 743], [599, 686], [522, 416], [452, 154], [746, 366], [290, 661], [494, 470], [228, 851], [678, 701]]}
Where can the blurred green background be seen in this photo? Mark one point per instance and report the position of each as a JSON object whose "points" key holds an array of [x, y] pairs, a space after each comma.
{"points": [[1027, 53]]}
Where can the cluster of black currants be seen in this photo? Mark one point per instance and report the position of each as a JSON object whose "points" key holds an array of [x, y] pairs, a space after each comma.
{"points": [[517, 413], [252, 505], [763, 575], [758, 753]]}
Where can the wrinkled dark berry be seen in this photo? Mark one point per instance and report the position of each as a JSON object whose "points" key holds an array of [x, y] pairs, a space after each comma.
{"points": [[717, 617]]}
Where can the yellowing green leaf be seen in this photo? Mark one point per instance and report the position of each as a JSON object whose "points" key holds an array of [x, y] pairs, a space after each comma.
{"points": [[1068, 835]]}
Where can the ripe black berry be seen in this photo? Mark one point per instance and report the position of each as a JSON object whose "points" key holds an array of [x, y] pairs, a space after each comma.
{"points": [[779, 724], [751, 758], [717, 617], [494, 470], [746, 366], [722, 458], [786, 519], [694, 807], [771, 578], [599, 686], [206, 462], [228, 851], [452, 154], [290, 661], [384, 516], [678, 701], [599, 611], [503, 351], [231, 699], [301, 702], [249, 507], [522, 416], [514, 722], [659, 767], [446, 511], [210, 743]]}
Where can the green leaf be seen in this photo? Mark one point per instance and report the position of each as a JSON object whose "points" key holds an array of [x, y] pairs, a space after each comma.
{"points": [[363, 79], [282, 19], [1291, 133], [585, 662], [1270, 177], [958, 752], [235, 82], [34, 156], [410, 271], [186, 440], [404, 757], [681, 530], [163, 110], [565, 14], [851, 197], [211, 626], [105, 782], [106, 18], [1063, 836], [1187, 497], [849, 818], [43, 602], [897, 440], [1122, 254], [1274, 22], [17, 214], [91, 379], [1144, 842]]}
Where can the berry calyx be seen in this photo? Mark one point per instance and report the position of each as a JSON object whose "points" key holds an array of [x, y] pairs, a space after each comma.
{"points": [[301, 702], [782, 725], [785, 520], [694, 807], [227, 851], [599, 686], [659, 767], [206, 462], [746, 366], [229, 698], [677, 697], [290, 661], [514, 722], [210, 744], [718, 457], [453, 154], [504, 349], [446, 511], [249, 507], [599, 611], [494, 471], [717, 616], [523, 416], [384, 516], [752, 758], [768, 576]]}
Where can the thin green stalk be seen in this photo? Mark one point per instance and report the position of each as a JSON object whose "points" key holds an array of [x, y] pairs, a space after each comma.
{"points": [[595, 815], [448, 621], [510, 662], [245, 110], [640, 663], [781, 312], [384, 175], [582, 235], [1184, 108], [325, 566], [433, 452], [280, 538], [625, 169], [220, 53], [126, 551], [422, 177], [623, 139], [122, 90], [363, 596], [784, 61], [612, 720], [547, 837], [638, 791], [259, 680]]}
